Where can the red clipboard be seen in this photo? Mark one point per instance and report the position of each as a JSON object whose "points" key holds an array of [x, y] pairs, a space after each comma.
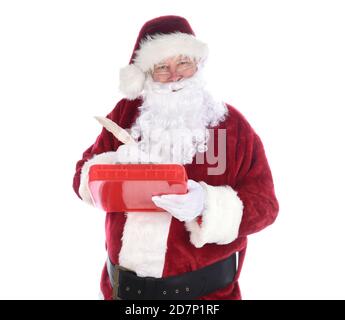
{"points": [[130, 187]]}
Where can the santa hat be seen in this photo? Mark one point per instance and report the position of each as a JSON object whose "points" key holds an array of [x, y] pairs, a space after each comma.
{"points": [[159, 39]]}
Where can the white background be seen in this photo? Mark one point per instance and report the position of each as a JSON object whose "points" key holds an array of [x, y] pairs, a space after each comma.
{"points": [[281, 63]]}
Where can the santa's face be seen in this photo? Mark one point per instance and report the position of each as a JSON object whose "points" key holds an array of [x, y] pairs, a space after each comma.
{"points": [[174, 69], [175, 117]]}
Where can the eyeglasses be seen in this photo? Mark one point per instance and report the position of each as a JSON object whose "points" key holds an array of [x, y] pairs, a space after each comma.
{"points": [[164, 70]]}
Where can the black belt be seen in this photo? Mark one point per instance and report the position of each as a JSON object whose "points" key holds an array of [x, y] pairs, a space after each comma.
{"points": [[187, 286]]}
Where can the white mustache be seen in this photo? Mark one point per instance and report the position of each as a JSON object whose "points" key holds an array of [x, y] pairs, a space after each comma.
{"points": [[169, 87], [165, 88]]}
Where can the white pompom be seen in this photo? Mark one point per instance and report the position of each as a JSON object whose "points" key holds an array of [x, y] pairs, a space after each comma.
{"points": [[132, 81]]}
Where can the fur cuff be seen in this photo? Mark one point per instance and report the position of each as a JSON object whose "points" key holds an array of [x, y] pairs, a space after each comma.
{"points": [[221, 218], [102, 158]]}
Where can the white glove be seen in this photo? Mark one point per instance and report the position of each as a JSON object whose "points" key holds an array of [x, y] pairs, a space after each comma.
{"points": [[184, 207]]}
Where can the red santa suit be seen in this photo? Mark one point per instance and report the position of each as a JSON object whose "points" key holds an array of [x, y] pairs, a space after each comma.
{"points": [[239, 201]]}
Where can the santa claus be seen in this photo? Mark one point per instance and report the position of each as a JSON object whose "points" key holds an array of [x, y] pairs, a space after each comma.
{"points": [[195, 248]]}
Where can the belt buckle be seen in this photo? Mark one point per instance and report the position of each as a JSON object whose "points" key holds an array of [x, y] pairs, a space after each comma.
{"points": [[116, 276]]}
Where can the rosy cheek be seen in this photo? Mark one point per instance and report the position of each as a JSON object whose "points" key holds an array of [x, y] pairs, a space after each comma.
{"points": [[189, 73], [155, 77], [158, 79]]}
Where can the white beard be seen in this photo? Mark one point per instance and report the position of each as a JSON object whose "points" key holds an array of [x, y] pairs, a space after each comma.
{"points": [[174, 118]]}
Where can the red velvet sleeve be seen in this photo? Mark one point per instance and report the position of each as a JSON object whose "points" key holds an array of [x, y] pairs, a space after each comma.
{"points": [[104, 142], [255, 187]]}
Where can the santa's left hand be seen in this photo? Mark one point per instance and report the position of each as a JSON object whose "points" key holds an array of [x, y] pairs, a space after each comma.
{"points": [[184, 207]]}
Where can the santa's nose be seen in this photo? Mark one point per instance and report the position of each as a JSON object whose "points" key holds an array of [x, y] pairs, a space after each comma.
{"points": [[174, 76]]}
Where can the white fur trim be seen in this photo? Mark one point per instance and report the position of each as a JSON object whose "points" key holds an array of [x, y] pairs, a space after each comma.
{"points": [[158, 47], [144, 243], [221, 218], [131, 81], [102, 158]]}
